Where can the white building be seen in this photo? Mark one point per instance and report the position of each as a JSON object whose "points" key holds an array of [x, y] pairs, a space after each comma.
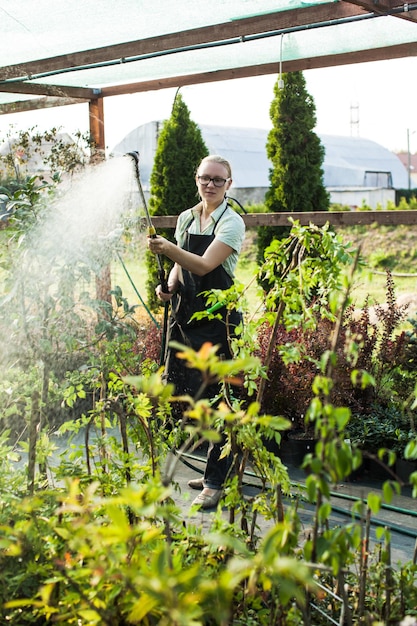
{"points": [[356, 170]]}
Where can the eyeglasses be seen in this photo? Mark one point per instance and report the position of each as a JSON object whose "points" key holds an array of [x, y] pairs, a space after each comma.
{"points": [[217, 182]]}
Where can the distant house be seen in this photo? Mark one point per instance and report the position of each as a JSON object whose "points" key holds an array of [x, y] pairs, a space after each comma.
{"points": [[356, 170], [410, 162]]}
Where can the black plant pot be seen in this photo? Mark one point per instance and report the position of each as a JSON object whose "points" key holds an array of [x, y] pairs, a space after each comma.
{"points": [[293, 450], [404, 469], [378, 471]]}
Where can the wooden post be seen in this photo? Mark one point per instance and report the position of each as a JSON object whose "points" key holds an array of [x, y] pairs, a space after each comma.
{"points": [[33, 437], [96, 114], [98, 154]]}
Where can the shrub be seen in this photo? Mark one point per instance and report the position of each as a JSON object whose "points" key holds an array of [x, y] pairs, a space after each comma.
{"points": [[410, 355], [383, 426], [148, 342], [378, 350]]}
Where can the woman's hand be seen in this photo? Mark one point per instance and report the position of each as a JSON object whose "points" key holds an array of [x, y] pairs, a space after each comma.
{"points": [[170, 287], [159, 245], [162, 295]]}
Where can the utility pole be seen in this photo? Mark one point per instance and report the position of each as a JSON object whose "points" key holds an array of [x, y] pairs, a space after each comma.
{"points": [[408, 159], [354, 119]]}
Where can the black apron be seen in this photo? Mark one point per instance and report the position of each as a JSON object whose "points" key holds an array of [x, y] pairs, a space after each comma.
{"points": [[187, 301]]}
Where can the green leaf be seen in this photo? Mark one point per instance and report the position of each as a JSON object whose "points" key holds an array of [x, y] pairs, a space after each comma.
{"points": [[142, 608], [91, 616], [410, 452], [374, 502], [387, 491]]}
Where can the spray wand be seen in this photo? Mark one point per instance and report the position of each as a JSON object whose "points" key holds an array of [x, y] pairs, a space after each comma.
{"points": [[151, 227], [152, 233]]}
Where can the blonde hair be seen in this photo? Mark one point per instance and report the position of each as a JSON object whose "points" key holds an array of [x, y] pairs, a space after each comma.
{"points": [[216, 158]]}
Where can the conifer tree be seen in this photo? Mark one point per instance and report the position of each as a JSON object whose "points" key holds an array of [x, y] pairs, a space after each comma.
{"points": [[296, 154], [179, 151]]}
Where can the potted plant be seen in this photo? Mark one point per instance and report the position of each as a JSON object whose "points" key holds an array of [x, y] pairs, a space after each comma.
{"points": [[384, 427]]}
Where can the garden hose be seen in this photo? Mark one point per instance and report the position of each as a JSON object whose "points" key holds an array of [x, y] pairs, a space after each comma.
{"points": [[375, 522], [155, 321]]}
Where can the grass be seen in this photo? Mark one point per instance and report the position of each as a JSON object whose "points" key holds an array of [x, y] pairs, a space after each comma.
{"points": [[381, 247], [368, 284]]}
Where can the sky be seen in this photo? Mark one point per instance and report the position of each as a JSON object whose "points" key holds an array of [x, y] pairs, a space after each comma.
{"points": [[376, 101]]}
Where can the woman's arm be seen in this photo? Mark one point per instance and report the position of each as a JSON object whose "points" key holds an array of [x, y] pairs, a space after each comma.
{"points": [[215, 255]]}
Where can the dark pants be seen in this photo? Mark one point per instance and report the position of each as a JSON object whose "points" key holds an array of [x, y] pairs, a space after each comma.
{"points": [[216, 469], [188, 381]]}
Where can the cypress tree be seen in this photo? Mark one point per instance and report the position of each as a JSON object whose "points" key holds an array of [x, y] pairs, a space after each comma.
{"points": [[296, 154], [179, 151]]}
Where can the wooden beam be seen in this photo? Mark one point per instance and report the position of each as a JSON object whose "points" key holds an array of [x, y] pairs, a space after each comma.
{"points": [[235, 28], [55, 91], [320, 218], [38, 103], [348, 58], [335, 218], [362, 56], [385, 7]]}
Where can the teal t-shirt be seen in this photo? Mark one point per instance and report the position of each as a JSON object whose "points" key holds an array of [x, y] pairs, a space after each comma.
{"points": [[230, 230]]}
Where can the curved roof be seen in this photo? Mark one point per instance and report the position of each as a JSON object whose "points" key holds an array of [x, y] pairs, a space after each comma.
{"points": [[358, 162], [348, 162], [245, 148]]}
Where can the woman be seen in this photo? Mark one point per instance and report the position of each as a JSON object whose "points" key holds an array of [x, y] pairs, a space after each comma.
{"points": [[209, 238]]}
